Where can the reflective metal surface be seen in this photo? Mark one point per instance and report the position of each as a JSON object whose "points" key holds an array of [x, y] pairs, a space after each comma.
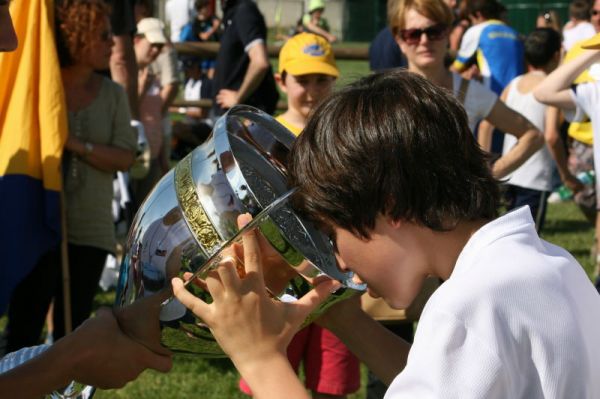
{"points": [[188, 222]]}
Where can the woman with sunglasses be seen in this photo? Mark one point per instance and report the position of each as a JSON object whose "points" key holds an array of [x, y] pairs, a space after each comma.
{"points": [[421, 29]]}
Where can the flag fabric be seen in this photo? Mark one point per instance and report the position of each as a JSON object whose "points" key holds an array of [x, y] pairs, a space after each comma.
{"points": [[33, 130]]}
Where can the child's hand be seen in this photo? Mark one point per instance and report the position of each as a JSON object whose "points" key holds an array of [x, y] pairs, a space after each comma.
{"points": [[248, 324]]}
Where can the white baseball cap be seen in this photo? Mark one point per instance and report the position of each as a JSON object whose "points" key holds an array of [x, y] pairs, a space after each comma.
{"points": [[152, 29]]}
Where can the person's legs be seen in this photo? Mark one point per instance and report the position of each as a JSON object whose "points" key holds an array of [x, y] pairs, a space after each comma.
{"points": [[85, 268], [29, 303], [331, 370], [517, 197]]}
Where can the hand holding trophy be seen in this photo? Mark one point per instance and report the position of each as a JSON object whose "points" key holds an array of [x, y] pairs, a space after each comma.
{"points": [[240, 299], [188, 227]]}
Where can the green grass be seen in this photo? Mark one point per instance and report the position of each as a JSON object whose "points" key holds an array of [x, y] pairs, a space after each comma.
{"points": [[193, 378]]}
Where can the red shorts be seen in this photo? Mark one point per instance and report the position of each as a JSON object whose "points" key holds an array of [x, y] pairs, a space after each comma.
{"points": [[329, 367]]}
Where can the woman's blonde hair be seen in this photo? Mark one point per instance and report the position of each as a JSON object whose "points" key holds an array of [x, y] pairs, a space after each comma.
{"points": [[436, 10]]}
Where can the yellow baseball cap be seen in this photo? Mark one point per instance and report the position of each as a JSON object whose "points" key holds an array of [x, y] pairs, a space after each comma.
{"points": [[592, 44], [307, 53]]}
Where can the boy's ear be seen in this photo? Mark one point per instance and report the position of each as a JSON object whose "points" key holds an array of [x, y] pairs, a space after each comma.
{"points": [[395, 223], [280, 82]]}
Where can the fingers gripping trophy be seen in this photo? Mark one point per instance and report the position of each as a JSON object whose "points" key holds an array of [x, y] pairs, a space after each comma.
{"points": [[188, 225]]}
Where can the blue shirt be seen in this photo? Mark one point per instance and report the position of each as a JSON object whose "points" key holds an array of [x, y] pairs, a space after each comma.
{"points": [[499, 52]]}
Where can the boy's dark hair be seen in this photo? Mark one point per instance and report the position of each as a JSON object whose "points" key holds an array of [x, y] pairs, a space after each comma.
{"points": [[541, 46], [200, 4], [579, 10], [489, 9], [394, 144]]}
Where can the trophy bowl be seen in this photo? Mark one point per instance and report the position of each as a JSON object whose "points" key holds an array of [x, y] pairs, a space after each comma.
{"points": [[188, 223]]}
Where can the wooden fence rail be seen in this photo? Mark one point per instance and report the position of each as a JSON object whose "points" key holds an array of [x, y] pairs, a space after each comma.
{"points": [[210, 50]]}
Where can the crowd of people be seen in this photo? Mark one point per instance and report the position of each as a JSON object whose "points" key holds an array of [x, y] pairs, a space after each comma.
{"points": [[462, 117]]}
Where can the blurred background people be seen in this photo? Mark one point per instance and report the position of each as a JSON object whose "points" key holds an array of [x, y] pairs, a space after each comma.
{"points": [[384, 52], [148, 44], [532, 182], [315, 22], [243, 73], [177, 14], [578, 27], [549, 19], [100, 142], [204, 28], [421, 28]]}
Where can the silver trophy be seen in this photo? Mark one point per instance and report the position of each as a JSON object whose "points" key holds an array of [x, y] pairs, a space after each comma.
{"points": [[187, 224]]}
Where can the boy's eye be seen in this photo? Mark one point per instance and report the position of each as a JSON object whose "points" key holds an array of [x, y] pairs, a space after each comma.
{"points": [[332, 240]]}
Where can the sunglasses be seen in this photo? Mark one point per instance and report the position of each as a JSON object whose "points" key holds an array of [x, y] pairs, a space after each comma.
{"points": [[413, 36]]}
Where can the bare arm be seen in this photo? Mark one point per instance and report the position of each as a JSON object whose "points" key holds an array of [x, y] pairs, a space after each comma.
{"points": [[320, 31], [215, 26], [257, 69], [382, 351], [104, 157], [112, 361], [485, 133], [529, 139], [123, 68], [259, 349], [555, 89], [168, 94], [556, 148]]}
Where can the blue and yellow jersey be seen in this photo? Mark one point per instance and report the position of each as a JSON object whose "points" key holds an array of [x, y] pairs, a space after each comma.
{"points": [[499, 52]]}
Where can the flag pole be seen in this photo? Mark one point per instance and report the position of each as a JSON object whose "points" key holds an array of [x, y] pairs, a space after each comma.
{"points": [[64, 260]]}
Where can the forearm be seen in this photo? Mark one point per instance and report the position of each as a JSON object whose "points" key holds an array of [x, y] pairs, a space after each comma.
{"points": [[167, 95], [552, 90], [123, 68], [106, 158], [48, 372], [484, 135], [531, 141], [557, 151], [382, 351], [254, 75], [316, 29], [272, 378], [555, 143]]}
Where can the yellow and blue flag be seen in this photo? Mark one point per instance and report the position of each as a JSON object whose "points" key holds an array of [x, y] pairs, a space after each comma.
{"points": [[33, 130]]}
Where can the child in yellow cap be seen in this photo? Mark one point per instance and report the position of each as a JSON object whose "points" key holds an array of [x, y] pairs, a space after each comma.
{"points": [[307, 73]]}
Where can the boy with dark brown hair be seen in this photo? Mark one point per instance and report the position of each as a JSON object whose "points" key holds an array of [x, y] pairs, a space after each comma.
{"points": [[390, 170]]}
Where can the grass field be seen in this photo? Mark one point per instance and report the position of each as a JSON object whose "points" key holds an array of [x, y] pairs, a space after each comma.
{"points": [[201, 378]]}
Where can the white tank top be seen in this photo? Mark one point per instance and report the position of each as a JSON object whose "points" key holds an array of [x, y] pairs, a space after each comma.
{"points": [[536, 172]]}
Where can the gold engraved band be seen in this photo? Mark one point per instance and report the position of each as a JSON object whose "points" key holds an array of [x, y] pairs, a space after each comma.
{"points": [[198, 221]]}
